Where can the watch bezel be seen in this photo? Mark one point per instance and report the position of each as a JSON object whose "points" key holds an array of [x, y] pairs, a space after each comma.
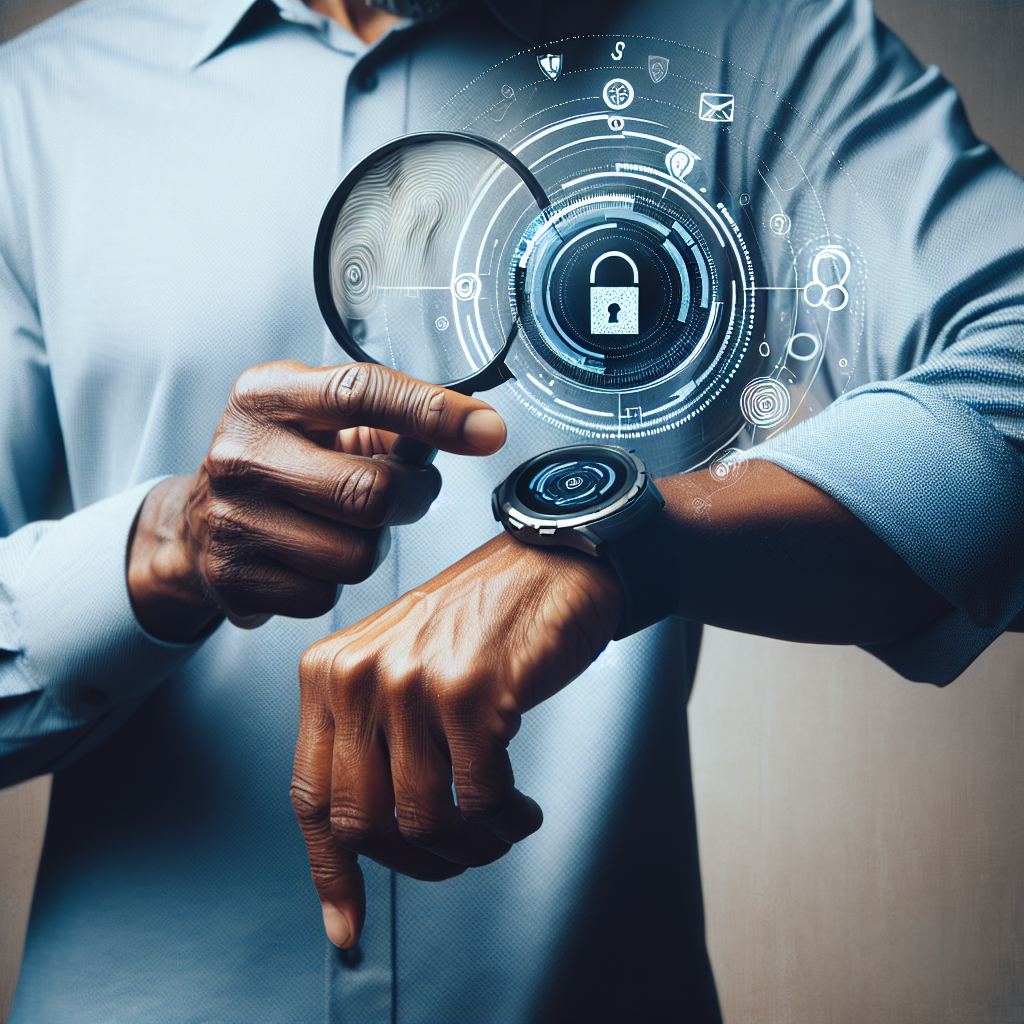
{"points": [[630, 533], [511, 507]]}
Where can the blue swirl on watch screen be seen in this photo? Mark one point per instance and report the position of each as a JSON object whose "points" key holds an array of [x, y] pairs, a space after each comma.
{"points": [[569, 485]]}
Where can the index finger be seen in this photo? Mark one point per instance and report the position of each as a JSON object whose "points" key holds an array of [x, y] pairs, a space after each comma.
{"points": [[370, 395]]}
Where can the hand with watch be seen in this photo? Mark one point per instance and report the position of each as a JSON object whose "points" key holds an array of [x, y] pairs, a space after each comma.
{"points": [[430, 690], [600, 500]]}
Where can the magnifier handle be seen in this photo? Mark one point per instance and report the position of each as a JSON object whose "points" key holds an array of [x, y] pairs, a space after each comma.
{"points": [[411, 452]]}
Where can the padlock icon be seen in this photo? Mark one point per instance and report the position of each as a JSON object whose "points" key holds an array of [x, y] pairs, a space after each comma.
{"points": [[614, 310]]}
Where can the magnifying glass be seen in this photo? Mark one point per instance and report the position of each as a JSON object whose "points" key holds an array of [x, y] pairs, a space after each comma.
{"points": [[390, 269]]}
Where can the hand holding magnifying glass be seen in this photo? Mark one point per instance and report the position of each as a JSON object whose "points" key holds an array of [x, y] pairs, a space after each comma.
{"points": [[384, 259]]}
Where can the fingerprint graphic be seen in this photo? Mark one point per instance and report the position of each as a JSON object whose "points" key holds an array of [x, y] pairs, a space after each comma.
{"points": [[728, 465], [764, 402]]}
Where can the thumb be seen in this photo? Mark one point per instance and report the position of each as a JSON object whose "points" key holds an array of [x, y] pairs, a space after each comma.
{"points": [[375, 396]]}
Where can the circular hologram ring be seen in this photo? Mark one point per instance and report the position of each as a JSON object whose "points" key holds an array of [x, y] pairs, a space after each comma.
{"points": [[764, 402], [803, 346]]}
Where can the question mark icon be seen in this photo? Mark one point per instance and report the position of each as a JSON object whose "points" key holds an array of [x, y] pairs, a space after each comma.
{"points": [[620, 47]]}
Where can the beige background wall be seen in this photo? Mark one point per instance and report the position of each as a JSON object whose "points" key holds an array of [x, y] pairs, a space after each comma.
{"points": [[862, 838], [22, 823]]}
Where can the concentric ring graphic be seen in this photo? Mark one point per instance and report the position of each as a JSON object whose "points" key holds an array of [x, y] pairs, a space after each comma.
{"points": [[735, 253], [764, 402]]}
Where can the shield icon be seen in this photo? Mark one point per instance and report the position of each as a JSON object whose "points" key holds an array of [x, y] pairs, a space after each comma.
{"points": [[550, 64], [657, 68]]}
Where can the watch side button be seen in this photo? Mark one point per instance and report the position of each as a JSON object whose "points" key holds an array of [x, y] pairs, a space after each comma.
{"points": [[547, 531]]}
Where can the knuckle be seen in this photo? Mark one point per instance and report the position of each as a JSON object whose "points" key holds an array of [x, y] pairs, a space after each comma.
{"points": [[354, 829], [225, 523], [346, 665], [220, 570], [403, 684], [351, 389], [478, 803], [419, 827], [251, 391], [248, 388], [229, 459], [429, 408], [257, 390], [344, 668], [242, 587], [325, 871], [315, 662], [365, 491], [311, 807], [361, 391]]}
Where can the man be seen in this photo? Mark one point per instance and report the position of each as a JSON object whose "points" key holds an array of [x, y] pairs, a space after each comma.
{"points": [[163, 174]]}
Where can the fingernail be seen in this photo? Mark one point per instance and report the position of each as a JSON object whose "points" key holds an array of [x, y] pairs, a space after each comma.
{"points": [[336, 925], [484, 430]]}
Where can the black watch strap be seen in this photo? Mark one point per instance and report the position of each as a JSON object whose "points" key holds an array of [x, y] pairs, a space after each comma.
{"points": [[646, 566]]}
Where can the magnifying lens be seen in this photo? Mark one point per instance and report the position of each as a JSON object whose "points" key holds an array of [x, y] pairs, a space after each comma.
{"points": [[389, 266]]}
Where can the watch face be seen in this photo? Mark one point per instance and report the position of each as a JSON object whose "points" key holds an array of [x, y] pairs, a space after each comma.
{"points": [[574, 481]]}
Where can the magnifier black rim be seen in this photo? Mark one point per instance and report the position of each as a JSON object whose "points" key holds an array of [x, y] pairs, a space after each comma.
{"points": [[325, 233]]}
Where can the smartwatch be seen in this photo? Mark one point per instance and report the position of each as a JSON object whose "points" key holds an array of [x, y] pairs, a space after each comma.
{"points": [[598, 499]]}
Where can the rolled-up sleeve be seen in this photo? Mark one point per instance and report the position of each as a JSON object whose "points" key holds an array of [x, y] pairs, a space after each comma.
{"points": [[929, 454], [944, 490]]}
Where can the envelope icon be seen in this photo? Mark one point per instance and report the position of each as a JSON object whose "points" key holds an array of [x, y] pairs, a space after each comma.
{"points": [[717, 106]]}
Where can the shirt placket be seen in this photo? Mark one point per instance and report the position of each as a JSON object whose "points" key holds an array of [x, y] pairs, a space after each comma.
{"points": [[361, 983]]}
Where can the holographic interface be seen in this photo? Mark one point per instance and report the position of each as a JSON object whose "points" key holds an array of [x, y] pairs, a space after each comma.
{"points": [[651, 262]]}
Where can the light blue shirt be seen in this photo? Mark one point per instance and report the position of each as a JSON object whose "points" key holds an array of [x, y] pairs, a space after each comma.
{"points": [[163, 167]]}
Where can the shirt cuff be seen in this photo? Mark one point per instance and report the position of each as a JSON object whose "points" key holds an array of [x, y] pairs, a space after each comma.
{"points": [[79, 639], [941, 488]]}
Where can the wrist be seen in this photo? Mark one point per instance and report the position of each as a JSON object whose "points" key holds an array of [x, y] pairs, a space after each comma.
{"points": [[563, 605], [590, 587], [167, 592], [601, 501]]}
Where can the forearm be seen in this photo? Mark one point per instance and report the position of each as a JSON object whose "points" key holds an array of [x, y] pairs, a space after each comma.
{"points": [[776, 556]]}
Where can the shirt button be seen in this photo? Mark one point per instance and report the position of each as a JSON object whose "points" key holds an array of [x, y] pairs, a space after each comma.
{"points": [[367, 81]]}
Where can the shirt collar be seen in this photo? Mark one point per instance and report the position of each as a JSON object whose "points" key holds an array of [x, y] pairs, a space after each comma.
{"points": [[224, 19], [233, 20]]}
